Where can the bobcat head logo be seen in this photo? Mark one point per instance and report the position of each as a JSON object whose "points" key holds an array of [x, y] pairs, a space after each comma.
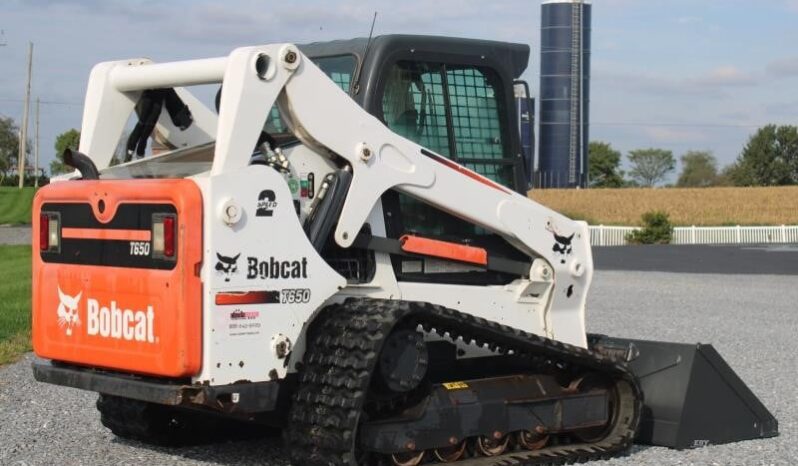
{"points": [[562, 244], [68, 311], [227, 265]]}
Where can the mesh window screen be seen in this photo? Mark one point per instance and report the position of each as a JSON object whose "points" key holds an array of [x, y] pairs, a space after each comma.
{"points": [[339, 69], [413, 105], [476, 123], [501, 173], [475, 115], [342, 79]]}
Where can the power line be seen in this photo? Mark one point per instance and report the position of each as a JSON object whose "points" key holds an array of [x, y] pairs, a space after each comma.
{"points": [[653, 123], [680, 125], [47, 102]]}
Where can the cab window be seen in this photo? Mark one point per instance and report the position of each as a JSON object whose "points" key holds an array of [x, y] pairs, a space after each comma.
{"points": [[455, 111], [340, 69], [452, 110]]}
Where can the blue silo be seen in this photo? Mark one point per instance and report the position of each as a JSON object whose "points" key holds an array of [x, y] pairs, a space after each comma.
{"points": [[564, 93]]}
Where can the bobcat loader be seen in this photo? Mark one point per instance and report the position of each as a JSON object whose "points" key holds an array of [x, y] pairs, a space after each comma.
{"points": [[344, 250]]}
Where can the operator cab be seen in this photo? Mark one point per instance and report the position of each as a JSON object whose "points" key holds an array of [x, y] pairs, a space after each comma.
{"points": [[453, 96]]}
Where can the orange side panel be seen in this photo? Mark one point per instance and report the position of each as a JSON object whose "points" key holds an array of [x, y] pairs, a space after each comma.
{"points": [[132, 319], [444, 250]]}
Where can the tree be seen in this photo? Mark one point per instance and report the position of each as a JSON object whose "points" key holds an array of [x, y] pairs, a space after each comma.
{"points": [[726, 175], [66, 140], [657, 229], [770, 158], [650, 166], [699, 170], [604, 163], [9, 147]]}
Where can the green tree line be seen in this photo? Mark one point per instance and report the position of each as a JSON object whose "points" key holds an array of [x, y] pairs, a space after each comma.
{"points": [[769, 158], [9, 152]]}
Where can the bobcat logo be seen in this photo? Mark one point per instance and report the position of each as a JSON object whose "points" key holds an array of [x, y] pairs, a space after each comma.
{"points": [[227, 265], [68, 311], [562, 245]]}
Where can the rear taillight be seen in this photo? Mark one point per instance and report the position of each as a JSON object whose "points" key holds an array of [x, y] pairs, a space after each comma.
{"points": [[44, 232], [163, 236], [169, 236], [49, 232]]}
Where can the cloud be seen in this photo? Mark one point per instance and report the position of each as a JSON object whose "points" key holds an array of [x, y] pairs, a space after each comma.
{"points": [[788, 109], [647, 83], [722, 76], [711, 84], [783, 68], [136, 11], [689, 20], [668, 135]]}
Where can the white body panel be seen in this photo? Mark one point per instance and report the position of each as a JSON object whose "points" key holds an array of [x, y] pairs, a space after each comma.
{"points": [[241, 347], [551, 302]]}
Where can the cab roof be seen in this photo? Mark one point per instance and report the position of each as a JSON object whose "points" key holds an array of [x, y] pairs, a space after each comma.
{"points": [[513, 56]]}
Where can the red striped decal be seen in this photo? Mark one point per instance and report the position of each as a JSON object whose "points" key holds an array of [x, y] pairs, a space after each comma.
{"points": [[463, 170], [248, 297], [106, 234]]}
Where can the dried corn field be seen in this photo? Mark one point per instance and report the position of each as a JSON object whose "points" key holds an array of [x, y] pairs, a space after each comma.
{"points": [[701, 206]]}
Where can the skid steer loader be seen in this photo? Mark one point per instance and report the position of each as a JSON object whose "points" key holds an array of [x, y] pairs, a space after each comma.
{"points": [[343, 249]]}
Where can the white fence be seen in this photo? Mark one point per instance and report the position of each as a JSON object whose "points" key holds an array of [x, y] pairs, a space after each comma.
{"points": [[616, 236]]}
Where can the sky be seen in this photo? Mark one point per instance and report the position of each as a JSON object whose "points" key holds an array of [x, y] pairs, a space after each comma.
{"points": [[674, 74]]}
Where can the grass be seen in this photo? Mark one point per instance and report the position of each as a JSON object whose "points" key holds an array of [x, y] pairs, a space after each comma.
{"points": [[698, 206], [15, 295], [15, 205]]}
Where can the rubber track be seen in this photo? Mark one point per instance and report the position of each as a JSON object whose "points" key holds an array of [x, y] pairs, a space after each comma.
{"points": [[169, 426], [145, 422], [345, 341]]}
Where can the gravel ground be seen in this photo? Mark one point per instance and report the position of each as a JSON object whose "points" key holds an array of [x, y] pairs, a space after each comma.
{"points": [[751, 320], [14, 235]]}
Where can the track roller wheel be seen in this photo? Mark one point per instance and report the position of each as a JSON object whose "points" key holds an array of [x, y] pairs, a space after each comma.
{"points": [[530, 440], [594, 434], [450, 454], [407, 459], [491, 446]]}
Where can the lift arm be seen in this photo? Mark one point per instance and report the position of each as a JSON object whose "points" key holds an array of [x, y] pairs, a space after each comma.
{"points": [[326, 119]]}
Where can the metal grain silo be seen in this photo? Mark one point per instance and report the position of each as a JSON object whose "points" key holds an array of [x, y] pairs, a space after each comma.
{"points": [[564, 93]]}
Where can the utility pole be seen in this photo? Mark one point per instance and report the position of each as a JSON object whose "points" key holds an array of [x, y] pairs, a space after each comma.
{"points": [[36, 149], [23, 139]]}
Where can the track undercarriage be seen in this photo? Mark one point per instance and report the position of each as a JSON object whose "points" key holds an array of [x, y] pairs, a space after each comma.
{"points": [[544, 402]]}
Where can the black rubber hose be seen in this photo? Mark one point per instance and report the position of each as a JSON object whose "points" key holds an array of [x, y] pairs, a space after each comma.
{"points": [[82, 163]]}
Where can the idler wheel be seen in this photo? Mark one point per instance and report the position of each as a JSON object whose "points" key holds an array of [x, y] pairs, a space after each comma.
{"points": [[450, 454], [530, 440], [585, 384], [407, 459], [491, 446], [403, 360]]}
